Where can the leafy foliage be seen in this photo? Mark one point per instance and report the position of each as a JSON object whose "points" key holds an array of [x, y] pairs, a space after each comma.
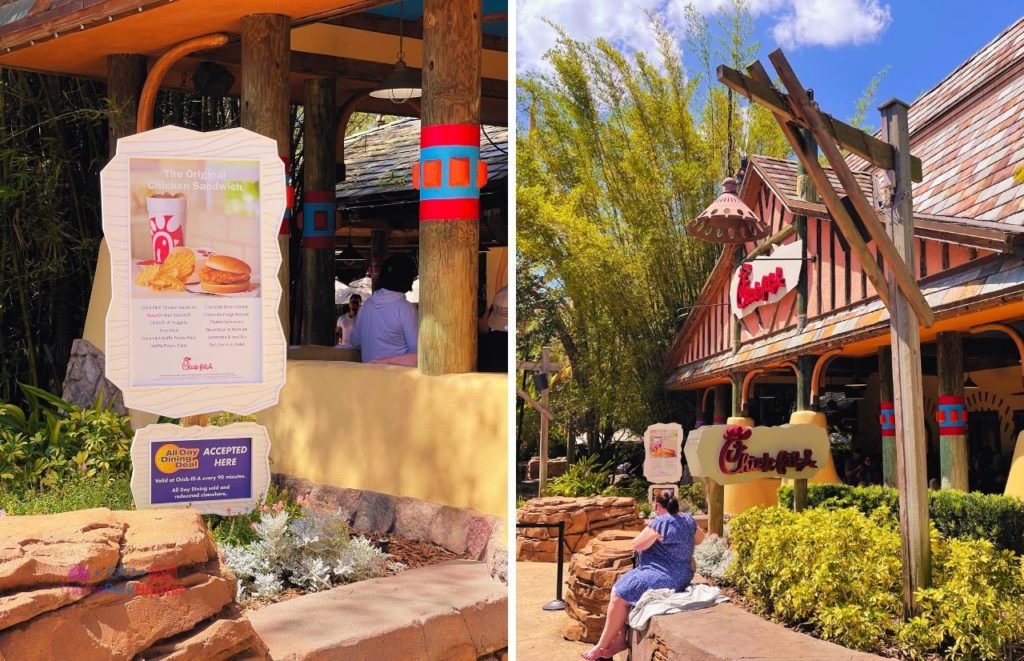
{"points": [[50, 440], [955, 514], [72, 492], [839, 572], [713, 558], [311, 551], [584, 478]]}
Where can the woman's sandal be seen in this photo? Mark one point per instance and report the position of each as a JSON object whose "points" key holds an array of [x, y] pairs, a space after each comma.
{"points": [[603, 652]]}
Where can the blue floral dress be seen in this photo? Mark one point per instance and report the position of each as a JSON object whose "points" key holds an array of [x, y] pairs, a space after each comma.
{"points": [[666, 564]]}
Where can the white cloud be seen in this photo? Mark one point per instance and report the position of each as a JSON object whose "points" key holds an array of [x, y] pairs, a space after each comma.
{"points": [[792, 23], [831, 23]]}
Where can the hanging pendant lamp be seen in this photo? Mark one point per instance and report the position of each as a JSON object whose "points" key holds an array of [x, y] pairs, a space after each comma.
{"points": [[969, 384], [350, 256], [402, 83], [728, 219]]}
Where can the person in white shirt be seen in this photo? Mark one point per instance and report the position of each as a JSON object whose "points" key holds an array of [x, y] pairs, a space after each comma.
{"points": [[387, 326], [347, 321]]}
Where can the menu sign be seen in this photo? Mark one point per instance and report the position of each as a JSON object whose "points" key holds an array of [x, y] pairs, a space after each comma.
{"points": [[732, 454], [663, 456], [191, 220], [217, 470]]}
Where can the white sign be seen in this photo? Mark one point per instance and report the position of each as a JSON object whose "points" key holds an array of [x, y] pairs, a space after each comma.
{"points": [[731, 454], [765, 280], [656, 490], [663, 459], [215, 470], [191, 220]]}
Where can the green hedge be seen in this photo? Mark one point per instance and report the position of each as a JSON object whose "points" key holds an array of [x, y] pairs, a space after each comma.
{"points": [[956, 514]]}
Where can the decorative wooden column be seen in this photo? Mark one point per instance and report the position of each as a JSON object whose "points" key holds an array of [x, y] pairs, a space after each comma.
{"points": [[715, 491], [126, 74], [887, 416], [450, 211], [266, 48], [378, 252], [806, 191], [318, 215], [905, 339], [804, 373], [951, 412]]}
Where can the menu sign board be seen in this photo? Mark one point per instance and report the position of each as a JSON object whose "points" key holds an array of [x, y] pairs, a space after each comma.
{"points": [[663, 457], [191, 220], [217, 470], [732, 454]]}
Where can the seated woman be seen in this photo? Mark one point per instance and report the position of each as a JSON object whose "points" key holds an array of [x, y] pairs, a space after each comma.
{"points": [[666, 561], [386, 327]]}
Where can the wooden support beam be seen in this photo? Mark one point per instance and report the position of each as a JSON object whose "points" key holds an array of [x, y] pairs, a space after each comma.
{"points": [[908, 394], [898, 268], [839, 215], [318, 232], [952, 436], [868, 147], [126, 74], [889, 468], [264, 51], [714, 491], [804, 373], [448, 247], [765, 246]]}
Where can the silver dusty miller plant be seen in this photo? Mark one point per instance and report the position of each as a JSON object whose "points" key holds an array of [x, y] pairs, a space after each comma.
{"points": [[713, 558], [312, 552]]}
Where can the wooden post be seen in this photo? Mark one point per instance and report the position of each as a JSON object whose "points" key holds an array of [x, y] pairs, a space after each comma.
{"points": [[449, 244], [266, 48], [545, 423], [805, 189], [735, 321], [126, 74], [908, 396], [716, 491], [378, 252], [887, 417], [952, 411], [318, 214], [804, 373]]}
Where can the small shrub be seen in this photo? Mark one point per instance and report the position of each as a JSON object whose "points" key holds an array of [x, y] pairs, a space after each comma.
{"points": [[956, 514], [312, 551], [584, 477], [713, 558], [74, 492]]}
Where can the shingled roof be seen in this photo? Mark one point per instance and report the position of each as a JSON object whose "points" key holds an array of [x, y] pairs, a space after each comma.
{"points": [[379, 161], [968, 132]]}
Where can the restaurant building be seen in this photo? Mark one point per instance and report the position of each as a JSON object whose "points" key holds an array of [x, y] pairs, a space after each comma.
{"points": [[777, 313]]}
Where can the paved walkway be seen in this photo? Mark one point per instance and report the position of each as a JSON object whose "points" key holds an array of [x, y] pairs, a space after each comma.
{"points": [[539, 632]]}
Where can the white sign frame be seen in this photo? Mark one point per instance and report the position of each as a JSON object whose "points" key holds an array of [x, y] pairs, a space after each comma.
{"points": [[664, 469], [176, 142], [142, 466], [704, 446], [787, 257]]}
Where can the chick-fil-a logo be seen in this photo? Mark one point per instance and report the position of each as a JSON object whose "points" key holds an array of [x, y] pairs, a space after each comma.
{"points": [[734, 458], [188, 366], [749, 292]]}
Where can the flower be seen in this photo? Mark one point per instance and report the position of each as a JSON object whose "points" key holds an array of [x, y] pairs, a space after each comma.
{"points": [[264, 509], [278, 506], [299, 500], [252, 525], [228, 510]]}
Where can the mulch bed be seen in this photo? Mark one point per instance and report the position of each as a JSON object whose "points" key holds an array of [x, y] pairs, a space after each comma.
{"points": [[414, 554]]}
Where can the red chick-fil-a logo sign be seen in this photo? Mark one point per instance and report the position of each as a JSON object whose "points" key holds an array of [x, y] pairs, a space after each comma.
{"points": [[731, 454], [765, 280], [188, 365]]}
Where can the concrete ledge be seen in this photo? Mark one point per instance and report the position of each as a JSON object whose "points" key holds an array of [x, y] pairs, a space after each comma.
{"points": [[448, 611], [726, 632]]}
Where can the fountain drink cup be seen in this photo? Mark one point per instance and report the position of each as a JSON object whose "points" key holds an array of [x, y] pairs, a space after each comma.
{"points": [[167, 213]]}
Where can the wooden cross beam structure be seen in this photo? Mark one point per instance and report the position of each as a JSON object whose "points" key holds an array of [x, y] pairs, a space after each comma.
{"points": [[897, 287], [545, 367]]}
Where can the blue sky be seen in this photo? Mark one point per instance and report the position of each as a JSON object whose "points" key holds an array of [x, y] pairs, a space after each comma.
{"points": [[835, 46]]}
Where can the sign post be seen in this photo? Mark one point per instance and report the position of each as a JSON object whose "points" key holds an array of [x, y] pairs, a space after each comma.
{"points": [[542, 370], [191, 220]]}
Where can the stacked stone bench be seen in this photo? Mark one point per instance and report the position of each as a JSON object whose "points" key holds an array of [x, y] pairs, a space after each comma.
{"points": [[592, 573], [584, 518]]}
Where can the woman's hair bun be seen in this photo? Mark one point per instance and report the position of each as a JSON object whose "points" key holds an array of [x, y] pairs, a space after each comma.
{"points": [[668, 500]]}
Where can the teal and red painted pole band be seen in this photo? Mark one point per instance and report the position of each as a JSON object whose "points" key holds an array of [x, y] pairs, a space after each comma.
{"points": [[450, 173], [888, 419], [290, 197], [318, 219], [951, 414], [719, 421]]}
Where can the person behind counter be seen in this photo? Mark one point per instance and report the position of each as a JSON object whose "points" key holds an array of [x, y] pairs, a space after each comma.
{"points": [[387, 325]]}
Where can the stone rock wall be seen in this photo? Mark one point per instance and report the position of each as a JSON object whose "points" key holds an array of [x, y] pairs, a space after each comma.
{"points": [[462, 531], [86, 378], [584, 518], [592, 573], [98, 584], [556, 468]]}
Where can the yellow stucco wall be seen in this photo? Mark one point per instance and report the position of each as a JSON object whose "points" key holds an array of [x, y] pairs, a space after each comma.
{"points": [[394, 430]]}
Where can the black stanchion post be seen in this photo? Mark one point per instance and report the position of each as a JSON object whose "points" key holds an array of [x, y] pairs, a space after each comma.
{"points": [[558, 604]]}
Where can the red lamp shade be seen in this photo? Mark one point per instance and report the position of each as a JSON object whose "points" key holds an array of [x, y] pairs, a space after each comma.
{"points": [[728, 219]]}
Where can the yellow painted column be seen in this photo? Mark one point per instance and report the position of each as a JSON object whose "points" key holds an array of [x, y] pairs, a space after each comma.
{"points": [[756, 493], [1015, 482], [827, 474]]}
